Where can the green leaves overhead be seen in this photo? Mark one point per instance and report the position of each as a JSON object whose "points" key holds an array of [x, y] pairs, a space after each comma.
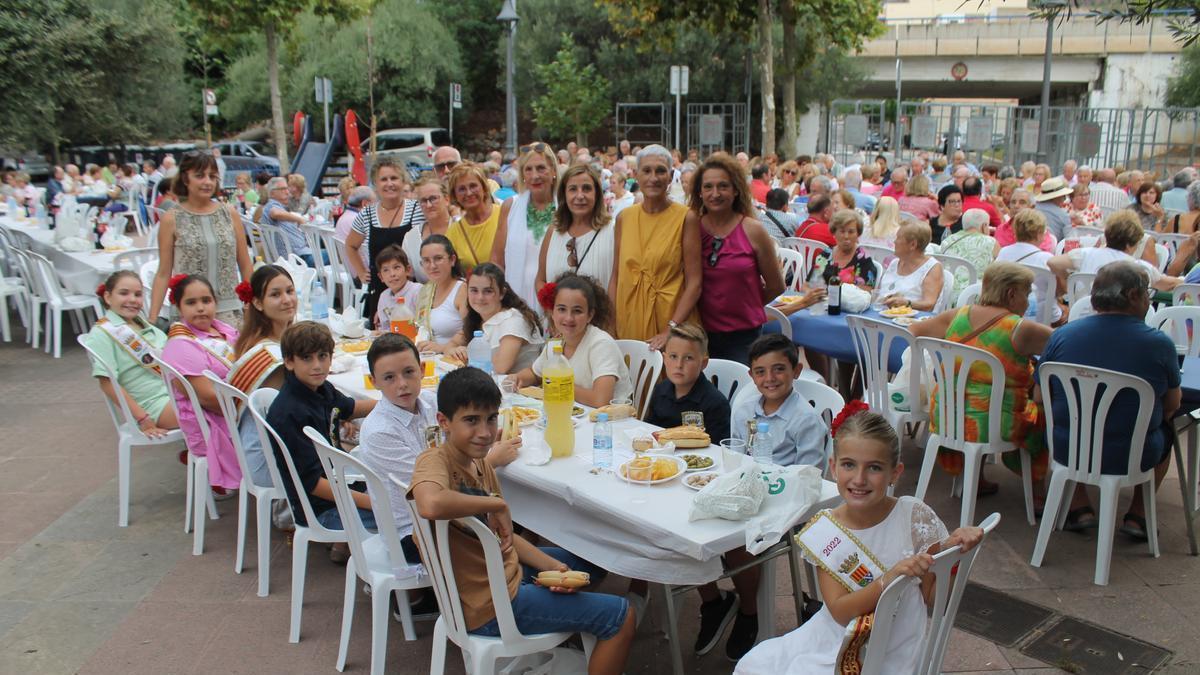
{"points": [[576, 98]]}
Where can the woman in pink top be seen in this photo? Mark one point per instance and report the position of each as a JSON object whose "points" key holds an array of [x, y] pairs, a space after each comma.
{"points": [[201, 342], [918, 200], [737, 256]]}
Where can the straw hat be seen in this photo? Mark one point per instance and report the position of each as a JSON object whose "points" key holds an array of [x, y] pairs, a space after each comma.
{"points": [[1053, 188]]}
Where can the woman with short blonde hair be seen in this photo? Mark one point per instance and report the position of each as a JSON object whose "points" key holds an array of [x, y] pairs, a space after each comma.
{"points": [[912, 278], [474, 234], [885, 222], [525, 218], [917, 199]]}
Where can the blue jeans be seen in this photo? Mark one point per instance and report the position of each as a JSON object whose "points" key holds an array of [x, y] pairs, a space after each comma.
{"points": [[538, 610], [309, 259], [332, 519]]}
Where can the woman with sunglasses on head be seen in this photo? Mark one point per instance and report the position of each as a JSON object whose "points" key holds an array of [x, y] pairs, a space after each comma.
{"points": [[657, 277], [524, 219], [474, 234], [202, 236], [740, 271], [380, 225], [431, 195], [789, 172], [582, 240]]}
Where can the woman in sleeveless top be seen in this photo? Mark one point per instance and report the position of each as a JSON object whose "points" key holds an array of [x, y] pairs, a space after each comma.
{"points": [[995, 325], [912, 278], [657, 277], [432, 197], [473, 235], [442, 304], [582, 239], [381, 225], [524, 219], [202, 237], [739, 267]]}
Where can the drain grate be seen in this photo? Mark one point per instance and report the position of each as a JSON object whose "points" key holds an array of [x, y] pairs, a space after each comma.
{"points": [[998, 617], [1080, 647]]}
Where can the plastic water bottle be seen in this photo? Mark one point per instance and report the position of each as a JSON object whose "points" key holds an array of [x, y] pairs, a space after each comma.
{"points": [[764, 445], [479, 353], [602, 442], [40, 212], [11, 205], [319, 303]]}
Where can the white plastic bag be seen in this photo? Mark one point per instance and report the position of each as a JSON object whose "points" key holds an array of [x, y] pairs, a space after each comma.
{"points": [[791, 492], [737, 495], [898, 388], [854, 299]]}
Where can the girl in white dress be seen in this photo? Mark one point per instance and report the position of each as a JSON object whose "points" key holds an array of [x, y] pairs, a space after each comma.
{"points": [[899, 535]]}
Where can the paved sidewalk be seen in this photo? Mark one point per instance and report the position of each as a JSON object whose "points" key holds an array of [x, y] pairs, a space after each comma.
{"points": [[79, 594]]}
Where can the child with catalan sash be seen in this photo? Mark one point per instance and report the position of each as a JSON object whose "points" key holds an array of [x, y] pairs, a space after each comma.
{"points": [[859, 549], [128, 343], [200, 342]]}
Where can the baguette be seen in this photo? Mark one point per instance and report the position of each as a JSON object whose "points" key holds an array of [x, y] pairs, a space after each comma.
{"points": [[615, 412], [531, 392], [569, 579], [509, 427], [452, 362], [684, 437]]}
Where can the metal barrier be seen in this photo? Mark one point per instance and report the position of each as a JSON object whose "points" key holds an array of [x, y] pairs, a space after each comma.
{"points": [[718, 126], [644, 123]]}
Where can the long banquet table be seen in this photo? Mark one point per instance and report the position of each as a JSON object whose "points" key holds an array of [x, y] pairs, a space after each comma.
{"points": [[80, 271]]}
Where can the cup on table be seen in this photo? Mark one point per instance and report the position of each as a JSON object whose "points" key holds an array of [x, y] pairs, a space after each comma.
{"points": [[508, 389], [692, 418], [621, 401], [733, 453]]}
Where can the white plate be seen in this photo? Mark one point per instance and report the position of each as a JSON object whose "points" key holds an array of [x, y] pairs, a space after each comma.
{"points": [[710, 467], [714, 474], [905, 321], [682, 468]]}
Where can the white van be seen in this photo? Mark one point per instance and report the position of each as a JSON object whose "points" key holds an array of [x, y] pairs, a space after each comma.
{"points": [[407, 146]]}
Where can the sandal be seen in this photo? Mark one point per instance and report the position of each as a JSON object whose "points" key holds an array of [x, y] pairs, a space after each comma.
{"points": [[1081, 519], [1137, 530]]}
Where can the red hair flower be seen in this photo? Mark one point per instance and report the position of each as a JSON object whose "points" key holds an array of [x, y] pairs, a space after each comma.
{"points": [[244, 292], [101, 290], [546, 296], [851, 409], [171, 285]]}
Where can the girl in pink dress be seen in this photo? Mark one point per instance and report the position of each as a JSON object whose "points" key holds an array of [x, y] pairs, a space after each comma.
{"points": [[200, 342]]}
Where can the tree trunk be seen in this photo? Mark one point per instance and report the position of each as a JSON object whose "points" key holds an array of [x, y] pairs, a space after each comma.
{"points": [[788, 15], [766, 64], [281, 148]]}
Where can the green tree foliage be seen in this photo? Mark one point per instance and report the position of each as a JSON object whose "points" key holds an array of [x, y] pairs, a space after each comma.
{"points": [[1183, 89], [576, 98], [411, 75], [73, 71], [475, 32]]}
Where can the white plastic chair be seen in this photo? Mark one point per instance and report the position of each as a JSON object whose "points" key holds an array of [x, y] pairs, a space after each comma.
{"points": [[729, 377], [1164, 256], [808, 250], [873, 340], [1090, 393], [792, 266], [969, 295], [823, 398], [1182, 325], [58, 300], [645, 366], [1079, 284], [954, 265], [480, 653], [951, 568], [351, 296], [232, 402], [274, 242], [325, 272], [34, 299], [199, 492], [128, 433], [880, 254], [1172, 242], [773, 314], [1186, 294], [947, 295], [1045, 283], [950, 363], [376, 558], [260, 403], [135, 259], [1081, 308]]}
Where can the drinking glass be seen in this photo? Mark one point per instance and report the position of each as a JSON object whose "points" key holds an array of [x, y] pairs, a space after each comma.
{"points": [[620, 401], [693, 418], [508, 390], [640, 472], [733, 453]]}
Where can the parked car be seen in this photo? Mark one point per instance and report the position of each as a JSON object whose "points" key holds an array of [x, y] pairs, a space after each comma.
{"points": [[31, 163], [245, 157], [408, 146]]}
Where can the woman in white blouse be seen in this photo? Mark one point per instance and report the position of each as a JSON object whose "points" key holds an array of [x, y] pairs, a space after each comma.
{"points": [[581, 240], [580, 307], [509, 325], [912, 278]]}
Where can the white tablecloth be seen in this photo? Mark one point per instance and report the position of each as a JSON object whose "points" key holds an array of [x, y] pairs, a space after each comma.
{"points": [[80, 271]]}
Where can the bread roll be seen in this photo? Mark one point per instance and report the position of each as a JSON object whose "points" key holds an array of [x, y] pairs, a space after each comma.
{"points": [[615, 412], [569, 579], [531, 392]]}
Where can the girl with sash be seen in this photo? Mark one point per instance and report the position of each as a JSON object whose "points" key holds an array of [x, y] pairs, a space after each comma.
{"points": [[127, 343], [859, 549], [200, 342], [270, 307], [442, 303]]}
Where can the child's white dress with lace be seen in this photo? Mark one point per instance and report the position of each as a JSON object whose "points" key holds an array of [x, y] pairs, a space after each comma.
{"points": [[911, 527]]}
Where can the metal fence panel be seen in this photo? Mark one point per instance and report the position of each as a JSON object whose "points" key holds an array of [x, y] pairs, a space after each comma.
{"points": [[644, 123], [734, 127]]}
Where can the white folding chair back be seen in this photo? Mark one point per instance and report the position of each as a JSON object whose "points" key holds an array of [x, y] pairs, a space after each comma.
{"points": [[59, 300], [1186, 294], [951, 363], [274, 242], [951, 569], [128, 433], [1044, 286], [823, 398], [1089, 394], [873, 343], [313, 531], [969, 295], [341, 269], [729, 377], [479, 653], [233, 405], [1079, 284], [880, 254], [199, 491], [1182, 325], [773, 314], [947, 295], [1172, 242], [325, 272], [958, 268], [645, 366], [35, 296], [808, 250], [793, 267], [1081, 308], [375, 557], [1164, 256], [135, 259]]}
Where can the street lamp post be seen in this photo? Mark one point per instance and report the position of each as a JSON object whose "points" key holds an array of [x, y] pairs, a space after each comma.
{"points": [[508, 15], [1051, 8]]}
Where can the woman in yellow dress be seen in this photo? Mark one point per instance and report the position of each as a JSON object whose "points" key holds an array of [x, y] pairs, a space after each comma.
{"points": [[474, 233], [657, 278]]}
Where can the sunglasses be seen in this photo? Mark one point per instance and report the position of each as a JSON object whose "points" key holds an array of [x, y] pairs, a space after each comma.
{"points": [[536, 147], [572, 259], [429, 201], [718, 243], [446, 166]]}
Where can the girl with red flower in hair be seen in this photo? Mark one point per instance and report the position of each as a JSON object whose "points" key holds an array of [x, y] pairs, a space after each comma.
{"points": [[200, 341], [126, 342]]}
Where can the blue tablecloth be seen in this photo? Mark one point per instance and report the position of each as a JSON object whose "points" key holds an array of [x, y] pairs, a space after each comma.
{"points": [[830, 335], [1190, 383]]}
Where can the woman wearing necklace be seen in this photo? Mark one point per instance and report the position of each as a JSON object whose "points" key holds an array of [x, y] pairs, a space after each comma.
{"points": [[657, 277], [524, 219], [740, 271], [474, 234], [582, 239], [380, 225], [202, 236], [430, 193]]}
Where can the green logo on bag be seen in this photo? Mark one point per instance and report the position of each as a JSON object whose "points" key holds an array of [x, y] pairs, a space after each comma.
{"points": [[776, 487]]}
